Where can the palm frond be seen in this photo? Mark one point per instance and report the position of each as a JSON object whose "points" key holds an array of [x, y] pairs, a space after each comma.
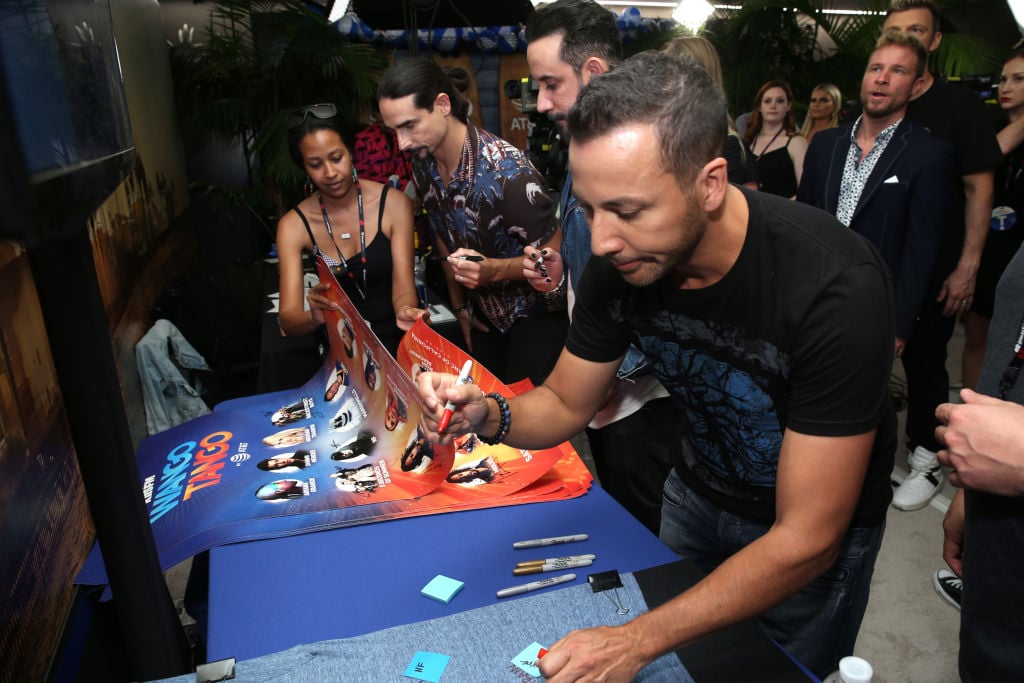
{"points": [[263, 58], [962, 55]]}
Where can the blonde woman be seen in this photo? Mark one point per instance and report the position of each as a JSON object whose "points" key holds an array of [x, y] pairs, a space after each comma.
{"points": [[823, 110]]}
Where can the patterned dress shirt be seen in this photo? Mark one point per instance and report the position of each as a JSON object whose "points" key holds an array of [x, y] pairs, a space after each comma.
{"points": [[856, 171], [495, 203]]}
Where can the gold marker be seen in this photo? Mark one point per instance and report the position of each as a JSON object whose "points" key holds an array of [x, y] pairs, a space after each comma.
{"points": [[550, 567]]}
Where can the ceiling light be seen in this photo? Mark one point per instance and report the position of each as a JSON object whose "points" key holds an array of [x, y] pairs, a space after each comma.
{"points": [[693, 13]]}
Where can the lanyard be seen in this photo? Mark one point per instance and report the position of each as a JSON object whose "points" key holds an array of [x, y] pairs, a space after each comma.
{"points": [[343, 268], [758, 156], [1009, 377]]}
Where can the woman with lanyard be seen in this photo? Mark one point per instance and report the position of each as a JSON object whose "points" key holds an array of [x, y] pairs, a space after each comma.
{"points": [[771, 136], [364, 233], [1006, 229]]}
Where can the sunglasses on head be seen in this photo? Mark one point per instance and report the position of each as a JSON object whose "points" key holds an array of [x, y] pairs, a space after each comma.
{"points": [[320, 111]]}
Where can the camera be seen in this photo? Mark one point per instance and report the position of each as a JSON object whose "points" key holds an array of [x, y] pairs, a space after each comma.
{"points": [[524, 90]]}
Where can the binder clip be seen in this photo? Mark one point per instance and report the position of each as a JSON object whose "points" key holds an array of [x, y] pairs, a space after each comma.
{"points": [[602, 582], [217, 671]]}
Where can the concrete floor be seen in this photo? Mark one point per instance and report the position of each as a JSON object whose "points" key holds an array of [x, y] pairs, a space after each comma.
{"points": [[909, 633]]}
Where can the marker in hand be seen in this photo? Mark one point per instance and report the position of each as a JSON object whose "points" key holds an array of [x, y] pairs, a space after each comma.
{"points": [[540, 264], [449, 407]]}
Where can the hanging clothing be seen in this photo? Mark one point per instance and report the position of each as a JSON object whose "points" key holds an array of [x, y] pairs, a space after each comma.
{"points": [[171, 387]]}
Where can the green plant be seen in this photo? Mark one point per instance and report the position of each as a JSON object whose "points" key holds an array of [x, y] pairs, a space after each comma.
{"points": [[783, 39], [787, 37], [261, 60]]}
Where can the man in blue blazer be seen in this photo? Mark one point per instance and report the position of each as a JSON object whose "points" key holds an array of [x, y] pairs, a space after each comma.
{"points": [[887, 178]]}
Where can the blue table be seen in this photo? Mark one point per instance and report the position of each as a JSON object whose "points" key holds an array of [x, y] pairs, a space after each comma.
{"points": [[270, 595]]}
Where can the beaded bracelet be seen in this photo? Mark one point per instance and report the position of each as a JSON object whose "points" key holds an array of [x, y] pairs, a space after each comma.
{"points": [[460, 309], [504, 425], [558, 292]]}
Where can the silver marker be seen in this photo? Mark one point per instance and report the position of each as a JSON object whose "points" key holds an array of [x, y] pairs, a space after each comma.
{"points": [[554, 540], [535, 585]]}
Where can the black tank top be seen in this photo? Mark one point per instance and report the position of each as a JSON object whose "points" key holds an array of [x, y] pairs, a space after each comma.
{"points": [[775, 172], [376, 308]]}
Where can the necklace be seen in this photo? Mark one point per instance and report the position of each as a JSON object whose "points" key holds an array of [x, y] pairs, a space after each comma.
{"points": [[765, 148], [342, 268], [343, 235]]}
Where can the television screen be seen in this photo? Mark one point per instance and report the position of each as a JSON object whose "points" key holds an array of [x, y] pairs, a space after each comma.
{"points": [[63, 113], [430, 14]]}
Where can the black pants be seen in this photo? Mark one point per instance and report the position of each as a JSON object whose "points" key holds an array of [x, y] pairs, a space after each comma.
{"points": [[529, 349], [634, 455], [924, 362]]}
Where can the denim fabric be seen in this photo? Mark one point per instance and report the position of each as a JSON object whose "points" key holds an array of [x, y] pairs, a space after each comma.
{"points": [[818, 625], [480, 642], [575, 254], [164, 358]]}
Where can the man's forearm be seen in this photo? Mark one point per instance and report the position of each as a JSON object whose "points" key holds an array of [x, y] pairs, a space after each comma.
{"points": [[506, 269], [978, 192], [539, 420], [753, 580]]}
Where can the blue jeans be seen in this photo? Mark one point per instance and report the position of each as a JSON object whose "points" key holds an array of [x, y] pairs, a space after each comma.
{"points": [[819, 624]]}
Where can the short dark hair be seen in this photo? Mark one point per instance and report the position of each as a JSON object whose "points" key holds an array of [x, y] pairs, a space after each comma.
{"points": [[587, 30], [904, 5], [311, 124], [673, 93], [909, 41], [423, 78]]}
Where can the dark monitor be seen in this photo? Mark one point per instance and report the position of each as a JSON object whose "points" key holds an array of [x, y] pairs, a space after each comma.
{"points": [[431, 14], [65, 134]]}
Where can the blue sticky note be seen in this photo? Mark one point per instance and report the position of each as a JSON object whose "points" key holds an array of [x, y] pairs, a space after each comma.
{"points": [[427, 666], [527, 659], [442, 588]]}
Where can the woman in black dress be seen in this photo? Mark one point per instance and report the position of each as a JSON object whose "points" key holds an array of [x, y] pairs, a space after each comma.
{"points": [[772, 137], [1006, 232]]}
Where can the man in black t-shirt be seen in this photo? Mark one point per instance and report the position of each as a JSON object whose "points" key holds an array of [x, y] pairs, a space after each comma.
{"points": [[984, 526], [957, 116], [771, 327]]}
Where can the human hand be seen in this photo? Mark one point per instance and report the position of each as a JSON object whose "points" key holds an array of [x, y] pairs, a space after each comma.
{"points": [[318, 302], [470, 413], [471, 268], [984, 440], [605, 653], [901, 344], [408, 315], [953, 534], [543, 269], [957, 291]]}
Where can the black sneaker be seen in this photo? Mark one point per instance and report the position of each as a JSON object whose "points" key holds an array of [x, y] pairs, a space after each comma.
{"points": [[949, 586]]}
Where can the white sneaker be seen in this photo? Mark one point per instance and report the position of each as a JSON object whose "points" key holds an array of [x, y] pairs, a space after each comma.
{"points": [[923, 482]]}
